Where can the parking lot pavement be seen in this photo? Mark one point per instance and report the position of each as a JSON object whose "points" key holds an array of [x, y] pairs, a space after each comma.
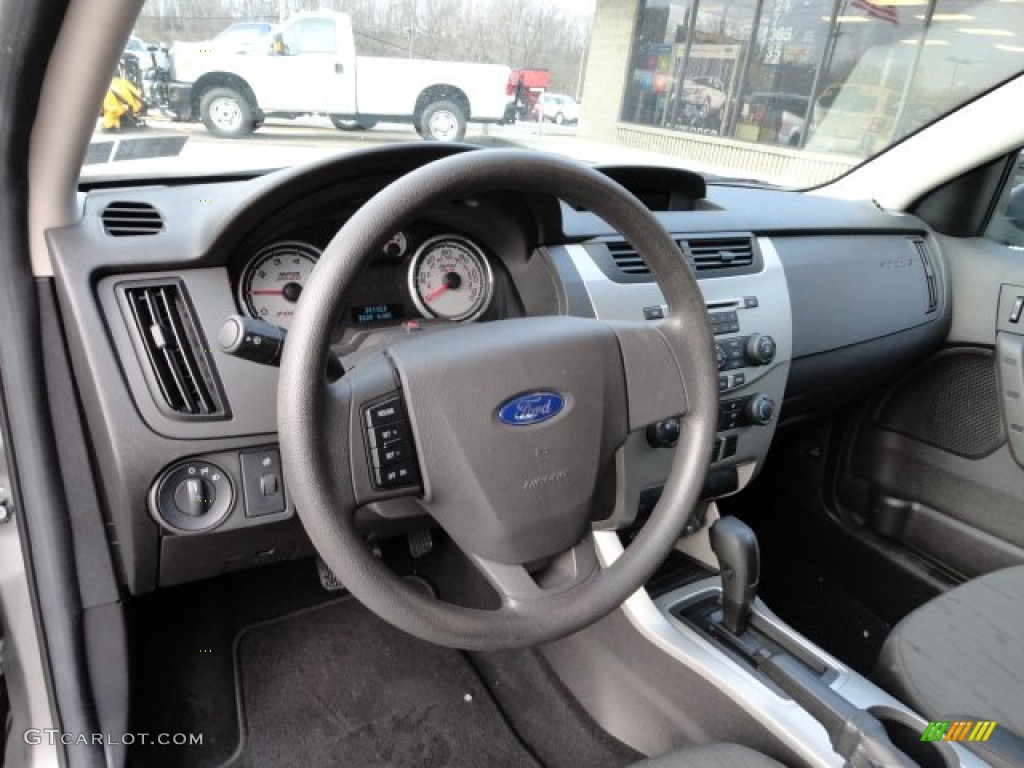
{"points": [[280, 143]]}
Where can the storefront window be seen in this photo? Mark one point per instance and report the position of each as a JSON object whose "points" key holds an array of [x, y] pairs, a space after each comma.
{"points": [[770, 71]]}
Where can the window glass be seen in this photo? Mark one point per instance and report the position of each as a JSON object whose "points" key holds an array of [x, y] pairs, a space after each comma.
{"points": [[1007, 224], [310, 36]]}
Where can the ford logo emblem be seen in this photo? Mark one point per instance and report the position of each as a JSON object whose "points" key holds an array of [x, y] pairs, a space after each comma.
{"points": [[530, 408]]}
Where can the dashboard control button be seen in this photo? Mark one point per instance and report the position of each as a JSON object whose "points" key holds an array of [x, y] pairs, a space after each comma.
{"points": [[1018, 309], [739, 379], [664, 434], [269, 485], [723, 383], [262, 482], [760, 350], [720, 356], [195, 496], [654, 313], [386, 412], [192, 496], [750, 302], [729, 446], [760, 410]]}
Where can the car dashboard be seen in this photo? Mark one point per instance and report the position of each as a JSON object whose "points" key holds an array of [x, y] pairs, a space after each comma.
{"points": [[811, 301]]}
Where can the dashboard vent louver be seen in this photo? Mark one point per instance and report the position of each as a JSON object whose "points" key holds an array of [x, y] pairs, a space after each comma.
{"points": [[702, 254], [719, 252], [929, 275], [172, 344], [627, 259], [128, 219]]}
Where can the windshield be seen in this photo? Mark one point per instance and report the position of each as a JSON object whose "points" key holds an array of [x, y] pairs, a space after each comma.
{"points": [[791, 92]]}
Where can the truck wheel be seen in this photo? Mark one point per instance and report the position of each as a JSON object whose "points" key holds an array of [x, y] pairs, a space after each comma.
{"points": [[226, 112], [443, 121], [362, 124], [559, 118]]}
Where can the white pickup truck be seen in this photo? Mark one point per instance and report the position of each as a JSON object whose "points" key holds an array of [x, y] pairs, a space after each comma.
{"points": [[309, 65]]}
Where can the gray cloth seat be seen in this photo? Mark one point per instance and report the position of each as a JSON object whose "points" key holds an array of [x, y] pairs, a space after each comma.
{"points": [[961, 655], [711, 756]]}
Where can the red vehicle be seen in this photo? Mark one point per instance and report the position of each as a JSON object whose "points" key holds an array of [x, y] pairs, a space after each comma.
{"points": [[525, 87]]}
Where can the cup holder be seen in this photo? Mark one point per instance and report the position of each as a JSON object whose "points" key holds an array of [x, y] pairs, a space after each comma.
{"points": [[904, 731]]}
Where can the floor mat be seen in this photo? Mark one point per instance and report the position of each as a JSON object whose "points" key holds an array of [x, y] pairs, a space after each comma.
{"points": [[336, 686]]}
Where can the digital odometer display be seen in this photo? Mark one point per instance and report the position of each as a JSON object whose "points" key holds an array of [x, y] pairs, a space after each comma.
{"points": [[377, 313]]}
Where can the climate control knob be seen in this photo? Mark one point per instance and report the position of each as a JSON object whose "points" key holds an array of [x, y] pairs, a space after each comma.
{"points": [[760, 409], [760, 350]]}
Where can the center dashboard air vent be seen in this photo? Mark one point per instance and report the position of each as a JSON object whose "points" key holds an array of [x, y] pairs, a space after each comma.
{"points": [[707, 256], [131, 219], [169, 339]]}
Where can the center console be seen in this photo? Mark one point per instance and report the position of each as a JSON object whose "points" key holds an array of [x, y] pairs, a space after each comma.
{"points": [[745, 289]]}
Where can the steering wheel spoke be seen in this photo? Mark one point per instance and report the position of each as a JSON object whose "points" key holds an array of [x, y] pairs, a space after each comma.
{"points": [[562, 572], [655, 377]]}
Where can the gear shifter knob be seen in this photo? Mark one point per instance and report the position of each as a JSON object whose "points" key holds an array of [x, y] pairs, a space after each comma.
{"points": [[735, 546]]}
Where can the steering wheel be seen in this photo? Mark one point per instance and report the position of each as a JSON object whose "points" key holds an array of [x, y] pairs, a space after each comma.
{"points": [[511, 427]]}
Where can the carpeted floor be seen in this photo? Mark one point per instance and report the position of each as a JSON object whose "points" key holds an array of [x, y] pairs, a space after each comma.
{"points": [[334, 685]]}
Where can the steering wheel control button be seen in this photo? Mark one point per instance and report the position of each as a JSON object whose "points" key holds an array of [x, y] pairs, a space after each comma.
{"points": [[193, 496], [387, 412], [262, 482], [750, 302], [389, 433], [396, 476], [656, 312], [392, 453], [664, 434], [760, 350]]}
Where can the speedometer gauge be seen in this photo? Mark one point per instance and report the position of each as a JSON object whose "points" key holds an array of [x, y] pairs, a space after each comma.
{"points": [[450, 279], [272, 281]]}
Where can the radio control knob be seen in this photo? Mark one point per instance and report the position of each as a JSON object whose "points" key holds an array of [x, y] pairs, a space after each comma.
{"points": [[760, 350], [760, 410]]}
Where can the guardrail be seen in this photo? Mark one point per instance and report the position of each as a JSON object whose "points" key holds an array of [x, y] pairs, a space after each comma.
{"points": [[781, 165]]}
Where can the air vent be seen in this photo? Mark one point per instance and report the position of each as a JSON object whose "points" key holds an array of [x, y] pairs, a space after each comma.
{"points": [[627, 259], [127, 219], [172, 344], [720, 253], [931, 279]]}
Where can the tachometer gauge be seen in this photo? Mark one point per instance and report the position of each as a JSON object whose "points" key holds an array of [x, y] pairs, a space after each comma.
{"points": [[272, 281], [450, 279]]}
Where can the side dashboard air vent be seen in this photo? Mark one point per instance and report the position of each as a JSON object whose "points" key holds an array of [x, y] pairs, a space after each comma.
{"points": [[172, 345], [720, 253], [128, 219], [930, 277]]}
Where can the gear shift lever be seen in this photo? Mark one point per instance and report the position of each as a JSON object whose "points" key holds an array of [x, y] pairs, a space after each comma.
{"points": [[735, 546]]}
